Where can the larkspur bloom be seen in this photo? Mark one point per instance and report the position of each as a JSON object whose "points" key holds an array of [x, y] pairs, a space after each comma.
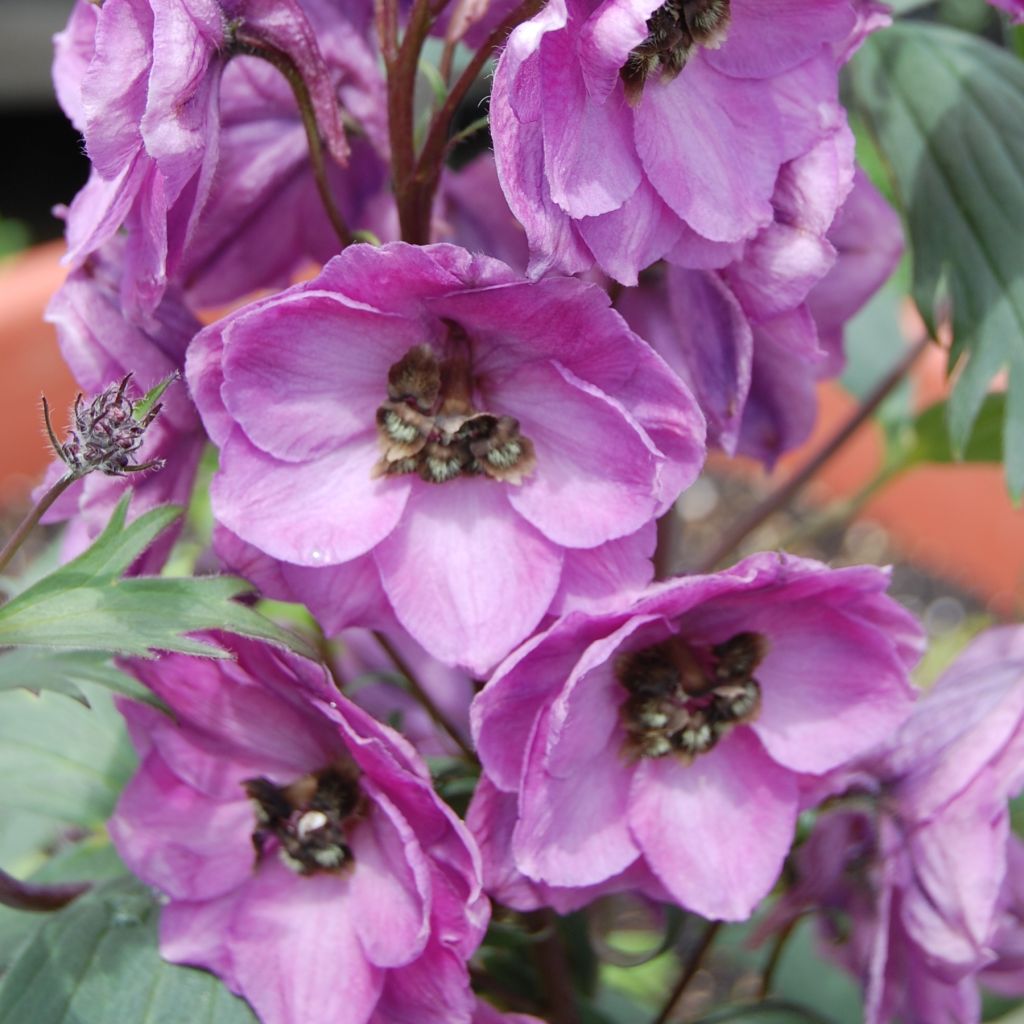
{"points": [[910, 866], [655, 741], [101, 347], [427, 423], [140, 80], [492, 817], [301, 849], [752, 338], [626, 132]]}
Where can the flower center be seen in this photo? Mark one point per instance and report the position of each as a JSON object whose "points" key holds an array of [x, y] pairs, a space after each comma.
{"points": [[430, 426], [309, 819], [683, 701], [674, 30]]}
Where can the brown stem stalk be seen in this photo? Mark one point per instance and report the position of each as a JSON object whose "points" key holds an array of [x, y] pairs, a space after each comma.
{"points": [[401, 94], [438, 717], [25, 896], [253, 47], [431, 158], [782, 497], [552, 963], [774, 957], [27, 524], [690, 969], [385, 13]]}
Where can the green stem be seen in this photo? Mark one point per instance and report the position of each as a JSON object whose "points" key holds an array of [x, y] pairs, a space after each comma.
{"points": [[774, 957], [438, 717], [552, 963], [252, 47], [690, 969], [27, 524]]}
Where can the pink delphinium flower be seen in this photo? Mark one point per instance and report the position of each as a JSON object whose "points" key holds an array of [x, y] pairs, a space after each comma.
{"points": [[752, 338], [626, 132], [303, 854], [656, 741], [430, 420], [919, 859], [100, 346], [140, 80]]}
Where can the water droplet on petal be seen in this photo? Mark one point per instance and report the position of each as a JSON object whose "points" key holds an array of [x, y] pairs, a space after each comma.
{"points": [[316, 555]]}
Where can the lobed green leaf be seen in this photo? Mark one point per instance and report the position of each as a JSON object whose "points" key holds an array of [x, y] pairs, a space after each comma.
{"points": [[86, 605], [945, 109]]}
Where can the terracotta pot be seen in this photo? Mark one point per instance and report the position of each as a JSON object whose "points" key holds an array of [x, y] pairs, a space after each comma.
{"points": [[32, 366]]}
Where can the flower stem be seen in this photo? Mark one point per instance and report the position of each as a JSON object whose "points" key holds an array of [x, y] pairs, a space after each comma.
{"points": [[438, 717], [35, 514], [552, 963], [24, 896], [252, 47], [690, 969], [772, 963], [401, 90], [782, 497], [427, 172]]}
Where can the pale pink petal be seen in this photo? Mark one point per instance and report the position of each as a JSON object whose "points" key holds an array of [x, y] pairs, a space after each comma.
{"points": [[322, 512], [596, 466], [769, 36], [695, 823], [466, 575], [306, 375], [720, 197]]}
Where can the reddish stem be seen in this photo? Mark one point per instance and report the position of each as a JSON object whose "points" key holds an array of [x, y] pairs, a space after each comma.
{"points": [[25, 896], [35, 514], [431, 160], [782, 497], [401, 92]]}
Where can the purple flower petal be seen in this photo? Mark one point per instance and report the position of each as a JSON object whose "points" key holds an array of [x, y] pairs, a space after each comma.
{"points": [[694, 824], [453, 587]]}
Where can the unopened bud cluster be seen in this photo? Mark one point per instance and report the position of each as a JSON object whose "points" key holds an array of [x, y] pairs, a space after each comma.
{"points": [[104, 434]]}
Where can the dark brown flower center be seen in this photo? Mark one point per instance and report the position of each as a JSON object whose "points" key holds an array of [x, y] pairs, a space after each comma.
{"points": [[683, 701], [309, 819], [430, 426], [674, 30]]}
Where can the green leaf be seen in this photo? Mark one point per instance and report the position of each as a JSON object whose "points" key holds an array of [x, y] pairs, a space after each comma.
{"points": [[141, 408], [35, 669], [96, 962], [945, 108], [932, 442], [92, 859], [61, 760], [86, 606]]}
